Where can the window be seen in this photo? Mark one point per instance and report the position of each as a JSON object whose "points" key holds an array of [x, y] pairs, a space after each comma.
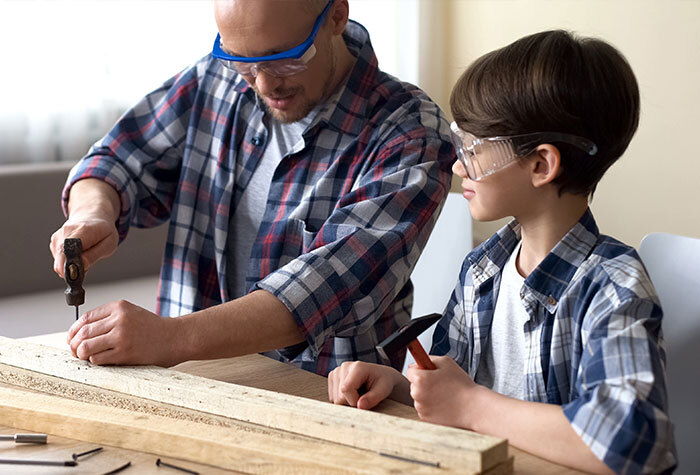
{"points": [[71, 68]]}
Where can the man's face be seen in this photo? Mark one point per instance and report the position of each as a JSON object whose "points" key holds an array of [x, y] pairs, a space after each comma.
{"points": [[264, 27]]}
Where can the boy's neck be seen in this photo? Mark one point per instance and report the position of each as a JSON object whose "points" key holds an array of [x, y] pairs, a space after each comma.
{"points": [[545, 227]]}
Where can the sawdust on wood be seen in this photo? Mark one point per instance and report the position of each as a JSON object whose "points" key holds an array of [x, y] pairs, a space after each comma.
{"points": [[47, 384]]}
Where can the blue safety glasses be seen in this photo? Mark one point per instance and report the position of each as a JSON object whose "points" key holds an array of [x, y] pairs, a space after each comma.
{"points": [[286, 63]]}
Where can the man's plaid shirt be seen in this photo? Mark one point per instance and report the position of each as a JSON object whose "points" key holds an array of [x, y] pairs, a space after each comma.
{"points": [[593, 340], [346, 217]]}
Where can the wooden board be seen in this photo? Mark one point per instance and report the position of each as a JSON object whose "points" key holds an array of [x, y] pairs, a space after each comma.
{"points": [[450, 448], [227, 447]]}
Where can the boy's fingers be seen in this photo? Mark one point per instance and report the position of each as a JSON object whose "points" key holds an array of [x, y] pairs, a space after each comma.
{"points": [[377, 393], [356, 377], [333, 387]]}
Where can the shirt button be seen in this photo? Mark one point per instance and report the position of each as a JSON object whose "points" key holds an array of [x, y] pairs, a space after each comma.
{"points": [[551, 300], [257, 141]]}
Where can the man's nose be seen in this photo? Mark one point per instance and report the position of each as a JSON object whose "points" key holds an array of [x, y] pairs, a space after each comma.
{"points": [[266, 83]]}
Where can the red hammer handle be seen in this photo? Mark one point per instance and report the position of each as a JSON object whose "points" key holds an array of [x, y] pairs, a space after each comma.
{"points": [[419, 354]]}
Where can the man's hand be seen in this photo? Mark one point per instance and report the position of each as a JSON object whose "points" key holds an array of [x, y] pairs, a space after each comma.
{"points": [[443, 395], [93, 210], [380, 381], [124, 334], [99, 238]]}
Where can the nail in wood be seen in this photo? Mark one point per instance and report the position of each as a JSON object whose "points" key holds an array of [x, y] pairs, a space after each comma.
{"points": [[118, 469], [159, 462], [84, 454], [55, 463], [406, 459]]}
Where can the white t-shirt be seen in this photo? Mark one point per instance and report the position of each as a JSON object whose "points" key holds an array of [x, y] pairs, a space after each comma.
{"points": [[502, 363], [283, 139]]}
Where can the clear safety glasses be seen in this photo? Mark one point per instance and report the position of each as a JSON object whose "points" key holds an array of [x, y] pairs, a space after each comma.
{"points": [[286, 63], [485, 156]]}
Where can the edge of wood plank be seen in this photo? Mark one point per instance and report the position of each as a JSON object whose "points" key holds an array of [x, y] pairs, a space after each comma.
{"points": [[223, 447]]}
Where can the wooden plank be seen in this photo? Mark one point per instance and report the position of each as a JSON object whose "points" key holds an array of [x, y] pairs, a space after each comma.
{"points": [[224, 447], [450, 448], [284, 444]]}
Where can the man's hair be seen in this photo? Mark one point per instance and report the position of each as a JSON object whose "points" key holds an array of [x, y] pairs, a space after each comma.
{"points": [[554, 81]]}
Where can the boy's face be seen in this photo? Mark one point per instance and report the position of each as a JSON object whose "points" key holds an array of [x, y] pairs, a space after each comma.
{"points": [[508, 192]]}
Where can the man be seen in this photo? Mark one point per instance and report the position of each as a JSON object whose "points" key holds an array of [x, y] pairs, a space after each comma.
{"points": [[300, 184]]}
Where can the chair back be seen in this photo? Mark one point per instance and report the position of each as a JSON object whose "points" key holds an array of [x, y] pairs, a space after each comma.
{"points": [[437, 270], [673, 263]]}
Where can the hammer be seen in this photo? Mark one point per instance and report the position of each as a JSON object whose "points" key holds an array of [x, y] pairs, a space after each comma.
{"points": [[407, 335], [74, 272]]}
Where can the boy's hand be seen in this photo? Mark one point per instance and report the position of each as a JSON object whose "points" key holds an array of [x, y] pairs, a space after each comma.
{"points": [[442, 395], [345, 381]]}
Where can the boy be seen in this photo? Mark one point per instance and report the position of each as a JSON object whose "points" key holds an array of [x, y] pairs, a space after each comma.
{"points": [[552, 337]]}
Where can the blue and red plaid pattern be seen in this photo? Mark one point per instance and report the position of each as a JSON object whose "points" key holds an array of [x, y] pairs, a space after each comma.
{"points": [[594, 340], [346, 217]]}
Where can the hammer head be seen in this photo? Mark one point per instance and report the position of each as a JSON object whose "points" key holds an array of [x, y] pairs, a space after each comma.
{"points": [[405, 335]]}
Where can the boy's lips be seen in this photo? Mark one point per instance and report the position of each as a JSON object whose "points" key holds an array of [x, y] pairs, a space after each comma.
{"points": [[467, 193]]}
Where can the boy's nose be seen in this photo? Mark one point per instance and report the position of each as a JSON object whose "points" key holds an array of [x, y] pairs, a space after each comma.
{"points": [[458, 169]]}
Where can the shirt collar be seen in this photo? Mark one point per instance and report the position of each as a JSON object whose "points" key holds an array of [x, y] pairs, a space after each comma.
{"points": [[552, 276], [346, 109]]}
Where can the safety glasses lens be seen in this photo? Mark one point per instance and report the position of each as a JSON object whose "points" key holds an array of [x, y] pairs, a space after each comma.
{"points": [[278, 68]]}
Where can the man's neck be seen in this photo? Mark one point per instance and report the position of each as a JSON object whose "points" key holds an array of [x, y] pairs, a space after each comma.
{"points": [[344, 64], [545, 227]]}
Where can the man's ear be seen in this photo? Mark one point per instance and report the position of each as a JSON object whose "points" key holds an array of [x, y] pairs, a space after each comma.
{"points": [[340, 12], [544, 165]]}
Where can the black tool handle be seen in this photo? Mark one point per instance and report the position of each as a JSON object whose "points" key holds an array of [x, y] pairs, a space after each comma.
{"points": [[74, 271]]}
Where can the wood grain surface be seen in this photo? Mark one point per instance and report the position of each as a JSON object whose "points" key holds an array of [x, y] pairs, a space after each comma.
{"points": [[253, 370]]}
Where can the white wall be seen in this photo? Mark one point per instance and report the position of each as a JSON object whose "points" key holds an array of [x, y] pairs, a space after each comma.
{"points": [[654, 186]]}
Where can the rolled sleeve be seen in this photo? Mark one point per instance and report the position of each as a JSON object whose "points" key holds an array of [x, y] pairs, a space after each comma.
{"points": [[142, 154], [621, 412], [357, 263]]}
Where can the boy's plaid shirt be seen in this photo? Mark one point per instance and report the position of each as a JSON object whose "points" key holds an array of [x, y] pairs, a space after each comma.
{"points": [[593, 339], [346, 217]]}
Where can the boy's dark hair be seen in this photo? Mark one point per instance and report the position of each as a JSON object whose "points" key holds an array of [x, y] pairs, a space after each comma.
{"points": [[554, 82]]}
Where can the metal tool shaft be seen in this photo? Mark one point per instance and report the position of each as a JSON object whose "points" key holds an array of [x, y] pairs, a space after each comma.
{"points": [[54, 463], [25, 438]]}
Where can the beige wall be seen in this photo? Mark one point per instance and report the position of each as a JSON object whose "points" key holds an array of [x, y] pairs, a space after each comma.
{"points": [[654, 186]]}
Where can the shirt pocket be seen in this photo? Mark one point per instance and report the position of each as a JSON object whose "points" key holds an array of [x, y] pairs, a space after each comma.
{"points": [[297, 240]]}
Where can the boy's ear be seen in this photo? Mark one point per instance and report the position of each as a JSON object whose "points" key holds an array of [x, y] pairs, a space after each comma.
{"points": [[544, 165]]}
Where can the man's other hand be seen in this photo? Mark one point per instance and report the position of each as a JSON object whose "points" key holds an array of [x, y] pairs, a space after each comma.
{"points": [[122, 333]]}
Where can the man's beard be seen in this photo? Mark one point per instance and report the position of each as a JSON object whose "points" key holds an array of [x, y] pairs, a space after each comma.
{"points": [[293, 115]]}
